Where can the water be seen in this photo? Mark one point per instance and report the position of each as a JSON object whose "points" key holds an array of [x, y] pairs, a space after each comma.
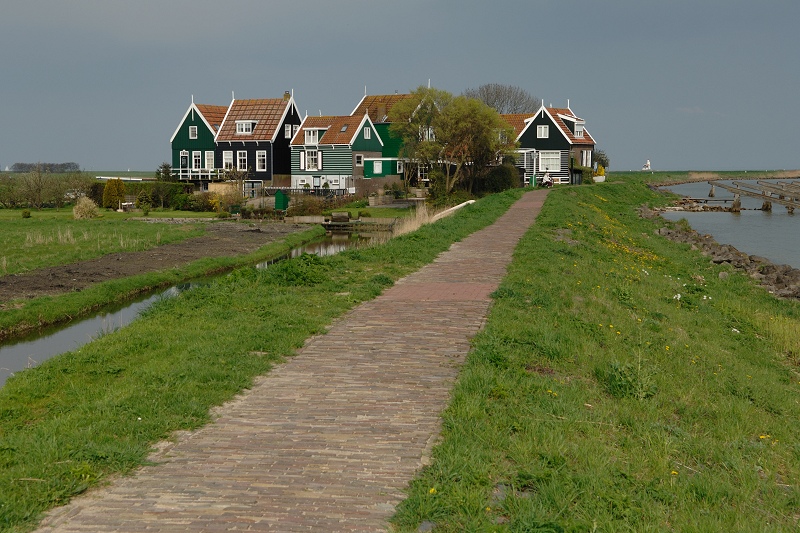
{"points": [[18, 354], [774, 235]]}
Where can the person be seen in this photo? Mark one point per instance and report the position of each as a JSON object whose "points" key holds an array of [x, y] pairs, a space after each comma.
{"points": [[547, 181]]}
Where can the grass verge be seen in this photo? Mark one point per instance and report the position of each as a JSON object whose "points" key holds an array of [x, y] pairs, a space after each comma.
{"points": [[620, 384], [85, 416]]}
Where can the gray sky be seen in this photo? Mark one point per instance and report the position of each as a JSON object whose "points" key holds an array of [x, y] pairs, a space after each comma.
{"points": [[688, 84]]}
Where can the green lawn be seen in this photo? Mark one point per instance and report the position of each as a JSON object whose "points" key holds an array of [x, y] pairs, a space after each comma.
{"points": [[620, 384]]}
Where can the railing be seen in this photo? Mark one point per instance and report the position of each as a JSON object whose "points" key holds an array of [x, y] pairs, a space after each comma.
{"points": [[214, 174]]}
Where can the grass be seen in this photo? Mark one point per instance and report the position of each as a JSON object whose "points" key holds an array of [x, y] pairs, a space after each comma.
{"points": [[51, 238], [597, 399], [84, 416]]}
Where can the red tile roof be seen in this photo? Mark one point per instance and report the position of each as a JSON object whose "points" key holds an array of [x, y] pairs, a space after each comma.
{"points": [[555, 112], [517, 121], [267, 113], [333, 129], [377, 106], [214, 114]]}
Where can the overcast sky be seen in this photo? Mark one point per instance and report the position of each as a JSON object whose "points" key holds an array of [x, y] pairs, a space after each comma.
{"points": [[688, 84]]}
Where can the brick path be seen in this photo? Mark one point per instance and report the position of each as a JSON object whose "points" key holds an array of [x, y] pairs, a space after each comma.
{"points": [[329, 440]]}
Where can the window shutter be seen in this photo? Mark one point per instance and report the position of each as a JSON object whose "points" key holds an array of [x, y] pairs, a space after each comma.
{"points": [[302, 160], [319, 160]]}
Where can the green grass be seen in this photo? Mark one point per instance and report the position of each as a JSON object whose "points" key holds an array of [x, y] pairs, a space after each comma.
{"points": [[51, 237], [84, 416], [596, 399]]}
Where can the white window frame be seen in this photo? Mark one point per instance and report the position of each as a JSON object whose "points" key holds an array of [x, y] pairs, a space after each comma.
{"points": [[241, 160], [399, 167], [312, 137], [261, 161], [227, 159], [312, 159], [377, 166], [193, 132], [550, 161], [295, 128], [245, 127], [209, 160], [287, 131], [579, 131], [367, 132], [359, 160], [543, 131], [197, 160]]}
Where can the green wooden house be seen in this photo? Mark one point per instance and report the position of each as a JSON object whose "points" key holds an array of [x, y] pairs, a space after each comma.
{"points": [[193, 145], [328, 152]]}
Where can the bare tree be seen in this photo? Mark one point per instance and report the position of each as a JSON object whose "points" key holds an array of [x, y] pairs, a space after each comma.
{"points": [[505, 99]]}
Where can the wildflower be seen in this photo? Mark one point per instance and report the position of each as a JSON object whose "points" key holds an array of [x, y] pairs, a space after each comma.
{"points": [[734, 330], [674, 473], [432, 491], [667, 348], [677, 296]]}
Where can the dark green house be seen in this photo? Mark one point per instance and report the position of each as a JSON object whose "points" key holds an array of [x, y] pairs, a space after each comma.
{"points": [[193, 144]]}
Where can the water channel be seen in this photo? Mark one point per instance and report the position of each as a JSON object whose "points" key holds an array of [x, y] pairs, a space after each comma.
{"points": [[772, 234], [18, 354]]}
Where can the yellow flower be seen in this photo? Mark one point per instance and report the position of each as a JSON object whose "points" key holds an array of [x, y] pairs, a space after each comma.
{"points": [[674, 473], [432, 491], [667, 348]]}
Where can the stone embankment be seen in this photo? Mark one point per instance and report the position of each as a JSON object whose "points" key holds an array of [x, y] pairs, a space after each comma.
{"points": [[781, 280]]}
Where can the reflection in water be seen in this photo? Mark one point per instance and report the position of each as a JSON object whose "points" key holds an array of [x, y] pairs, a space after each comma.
{"points": [[18, 354]]}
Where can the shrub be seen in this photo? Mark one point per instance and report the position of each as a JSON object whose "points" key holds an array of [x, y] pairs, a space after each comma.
{"points": [[26, 213], [306, 205], [114, 193], [85, 208], [601, 170], [498, 179], [223, 214]]}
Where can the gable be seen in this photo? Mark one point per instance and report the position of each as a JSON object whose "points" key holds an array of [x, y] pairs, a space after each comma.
{"points": [[205, 117], [265, 118], [377, 106]]}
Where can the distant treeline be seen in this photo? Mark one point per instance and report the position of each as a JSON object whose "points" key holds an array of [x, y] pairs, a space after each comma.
{"points": [[46, 167]]}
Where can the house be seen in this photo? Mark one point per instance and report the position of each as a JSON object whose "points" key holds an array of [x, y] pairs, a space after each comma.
{"points": [[329, 152], [390, 165], [254, 138], [193, 147], [552, 141]]}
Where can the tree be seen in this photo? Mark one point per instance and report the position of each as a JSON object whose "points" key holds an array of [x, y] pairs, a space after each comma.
{"points": [[164, 173], [114, 193], [413, 121], [33, 186], [505, 99], [472, 137], [601, 158]]}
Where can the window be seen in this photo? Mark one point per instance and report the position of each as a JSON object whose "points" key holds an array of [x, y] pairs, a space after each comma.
{"points": [[311, 159], [312, 136], [426, 133], [377, 167], [287, 131], [241, 160], [294, 129], [197, 160], [550, 161], [399, 167], [542, 132], [209, 160], [367, 133], [261, 161], [344, 128], [359, 160], [193, 132], [245, 127], [579, 130], [227, 160]]}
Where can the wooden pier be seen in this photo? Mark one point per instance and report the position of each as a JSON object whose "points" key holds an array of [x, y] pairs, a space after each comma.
{"points": [[782, 193]]}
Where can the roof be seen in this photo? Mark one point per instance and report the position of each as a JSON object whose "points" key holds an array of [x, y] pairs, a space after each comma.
{"points": [[333, 126], [377, 106], [560, 117], [267, 113], [214, 114]]}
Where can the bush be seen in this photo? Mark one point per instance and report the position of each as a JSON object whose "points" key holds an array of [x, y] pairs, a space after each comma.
{"points": [[223, 214], [85, 208], [306, 205], [601, 170], [26, 213], [114, 193], [498, 179]]}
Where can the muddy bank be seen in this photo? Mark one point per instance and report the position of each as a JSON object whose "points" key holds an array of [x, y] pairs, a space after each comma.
{"points": [[781, 280]]}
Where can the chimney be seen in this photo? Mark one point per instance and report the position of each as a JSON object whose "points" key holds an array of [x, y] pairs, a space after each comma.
{"points": [[286, 96]]}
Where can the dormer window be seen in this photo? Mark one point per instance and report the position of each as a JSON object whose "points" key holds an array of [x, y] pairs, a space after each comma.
{"points": [[245, 127], [579, 130], [312, 136]]}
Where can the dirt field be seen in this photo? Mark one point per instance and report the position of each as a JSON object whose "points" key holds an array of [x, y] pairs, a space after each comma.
{"points": [[221, 239]]}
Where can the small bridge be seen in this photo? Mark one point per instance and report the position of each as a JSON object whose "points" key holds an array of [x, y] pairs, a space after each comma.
{"points": [[783, 193]]}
